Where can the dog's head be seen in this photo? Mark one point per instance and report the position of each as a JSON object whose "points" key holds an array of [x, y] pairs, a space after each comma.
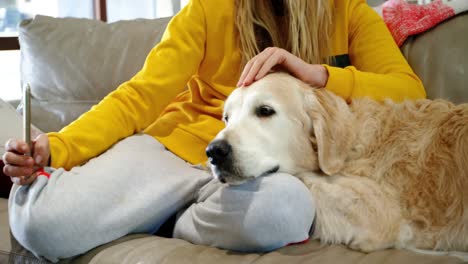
{"points": [[279, 124]]}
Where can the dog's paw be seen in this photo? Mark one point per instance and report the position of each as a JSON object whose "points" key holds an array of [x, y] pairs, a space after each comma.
{"points": [[367, 245]]}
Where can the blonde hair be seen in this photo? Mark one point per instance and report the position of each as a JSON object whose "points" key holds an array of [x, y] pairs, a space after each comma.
{"points": [[306, 25]]}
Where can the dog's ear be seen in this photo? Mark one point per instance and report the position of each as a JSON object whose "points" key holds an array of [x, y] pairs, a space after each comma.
{"points": [[332, 128]]}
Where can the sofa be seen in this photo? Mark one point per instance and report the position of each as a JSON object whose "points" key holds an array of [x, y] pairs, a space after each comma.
{"points": [[73, 63]]}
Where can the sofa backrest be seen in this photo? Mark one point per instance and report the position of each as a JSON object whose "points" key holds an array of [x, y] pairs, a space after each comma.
{"points": [[440, 58], [72, 63]]}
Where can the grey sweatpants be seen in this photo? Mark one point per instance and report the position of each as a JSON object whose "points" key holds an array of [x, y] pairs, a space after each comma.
{"points": [[136, 186]]}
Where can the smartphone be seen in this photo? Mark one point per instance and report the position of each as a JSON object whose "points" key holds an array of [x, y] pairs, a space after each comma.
{"points": [[27, 117]]}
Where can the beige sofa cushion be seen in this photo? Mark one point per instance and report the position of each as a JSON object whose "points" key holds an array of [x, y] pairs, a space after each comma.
{"points": [[71, 63], [164, 250], [11, 124], [5, 245], [440, 58]]}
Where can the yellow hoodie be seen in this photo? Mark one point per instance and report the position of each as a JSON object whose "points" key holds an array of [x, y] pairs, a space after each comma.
{"points": [[178, 95]]}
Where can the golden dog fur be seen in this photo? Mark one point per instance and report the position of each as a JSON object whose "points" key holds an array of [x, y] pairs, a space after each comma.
{"points": [[404, 167], [382, 174]]}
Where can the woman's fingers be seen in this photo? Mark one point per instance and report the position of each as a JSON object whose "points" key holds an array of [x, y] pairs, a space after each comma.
{"points": [[41, 152], [315, 75], [244, 73], [12, 158], [277, 58], [16, 163], [28, 180], [16, 145], [253, 67], [258, 65], [262, 64], [17, 171], [24, 180], [21, 167]]}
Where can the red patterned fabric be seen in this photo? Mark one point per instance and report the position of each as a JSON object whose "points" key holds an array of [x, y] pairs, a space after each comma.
{"points": [[404, 20]]}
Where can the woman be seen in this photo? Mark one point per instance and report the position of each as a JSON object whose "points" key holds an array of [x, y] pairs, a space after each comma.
{"points": [[342, 46]]}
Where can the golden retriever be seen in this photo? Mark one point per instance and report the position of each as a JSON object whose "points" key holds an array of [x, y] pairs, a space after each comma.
{"points": [[382, 174]]}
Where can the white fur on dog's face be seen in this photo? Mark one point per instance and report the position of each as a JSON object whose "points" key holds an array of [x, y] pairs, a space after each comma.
{"points": [[268, 130]]}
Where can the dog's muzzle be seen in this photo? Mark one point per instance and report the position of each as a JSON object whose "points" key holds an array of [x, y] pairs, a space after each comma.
{"points": [[221, 156]]}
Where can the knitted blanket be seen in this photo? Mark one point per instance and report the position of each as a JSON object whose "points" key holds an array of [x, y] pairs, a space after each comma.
{"points": [[404, 19]]}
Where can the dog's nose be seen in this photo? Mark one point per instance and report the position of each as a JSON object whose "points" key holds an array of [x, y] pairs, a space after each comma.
{"points": [[218, 151]]}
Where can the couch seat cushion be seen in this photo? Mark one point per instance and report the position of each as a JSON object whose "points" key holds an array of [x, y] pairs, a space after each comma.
{"points": [[164, 250]]}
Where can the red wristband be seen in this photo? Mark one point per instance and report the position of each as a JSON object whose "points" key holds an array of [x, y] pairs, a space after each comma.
{"points": [[42, 172]]}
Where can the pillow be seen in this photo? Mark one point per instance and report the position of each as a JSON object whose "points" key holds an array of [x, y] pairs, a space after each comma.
{"points": [[11, 124], [72, 63]]}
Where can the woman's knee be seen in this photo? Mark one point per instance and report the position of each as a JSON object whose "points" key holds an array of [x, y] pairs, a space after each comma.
{"points": [[260, 215], [39, 227], [281, 213], [37, 233]]}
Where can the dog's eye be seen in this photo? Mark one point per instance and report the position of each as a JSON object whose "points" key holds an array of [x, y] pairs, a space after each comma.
{"points": [[226, 118], [264, 111]]}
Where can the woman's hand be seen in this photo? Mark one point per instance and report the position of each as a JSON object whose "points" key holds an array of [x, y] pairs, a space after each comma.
{"points": [[22, 168], [314, 74]]}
